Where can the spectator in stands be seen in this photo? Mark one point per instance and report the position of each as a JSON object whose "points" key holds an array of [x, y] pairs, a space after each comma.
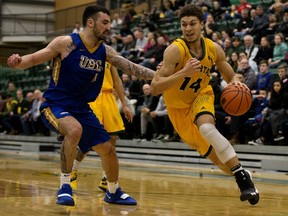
{"points": [[283, 27], [272, 27], [217, 38], [150, 39], [278, 10], [250, 48], [232, 13], [244, 4], [141, 41], [124, 32], [253, 14], [136, 94], [210, 26], [126, 80], [149, 105], [237, 44], [225, 33], [244, 25], [155, 54], [116, 22], [217, 12], [114, 43], [9, 103], [259, 103], [264, 78], [260, 24], [252, 64], [128, 44], [283, 76], [77, 27], [248, 73], [168, 10], [234, 61], [227, 48], [276, 111], [265, 51], [154, 16], [162, 124], [11, 90], [279, 51], [15, 123], [206, 12]]}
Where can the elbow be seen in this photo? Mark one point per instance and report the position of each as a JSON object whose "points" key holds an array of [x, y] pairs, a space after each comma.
{"points": [[154, 91]]}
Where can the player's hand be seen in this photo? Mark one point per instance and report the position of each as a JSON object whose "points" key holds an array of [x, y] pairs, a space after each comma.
{"points": [[127, 113], [192, 66], [241, 85], [14, 60]]}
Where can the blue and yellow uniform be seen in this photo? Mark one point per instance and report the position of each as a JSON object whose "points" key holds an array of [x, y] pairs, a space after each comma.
{"points": [[192, 96], [77, 80], [105, 106]]}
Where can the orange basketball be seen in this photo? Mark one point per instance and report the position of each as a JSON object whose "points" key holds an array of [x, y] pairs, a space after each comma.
{"points": [[235, 100]]}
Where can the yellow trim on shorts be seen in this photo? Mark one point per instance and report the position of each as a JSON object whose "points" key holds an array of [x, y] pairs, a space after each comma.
{"points": [[51, 118]]}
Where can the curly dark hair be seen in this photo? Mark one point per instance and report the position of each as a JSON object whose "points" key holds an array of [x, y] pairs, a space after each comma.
{"points": [[191, 10]]}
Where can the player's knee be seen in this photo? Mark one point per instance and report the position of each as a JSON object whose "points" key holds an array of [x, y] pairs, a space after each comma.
{"points": [[105, 149], [206, 129], [74, 132]]}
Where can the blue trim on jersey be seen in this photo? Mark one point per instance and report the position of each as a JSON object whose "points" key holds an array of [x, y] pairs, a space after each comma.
{"points": [[79, 78]]}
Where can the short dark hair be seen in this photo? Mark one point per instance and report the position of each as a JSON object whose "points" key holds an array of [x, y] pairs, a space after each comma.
{"points": [[91, 11], [191, 10]]}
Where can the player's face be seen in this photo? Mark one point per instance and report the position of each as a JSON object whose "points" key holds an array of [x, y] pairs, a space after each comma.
{"points": [[101, 25], [191, 28]]}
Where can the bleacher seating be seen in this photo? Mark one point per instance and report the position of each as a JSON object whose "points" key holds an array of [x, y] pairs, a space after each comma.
{"points": [[34, 78], [265, 158]]}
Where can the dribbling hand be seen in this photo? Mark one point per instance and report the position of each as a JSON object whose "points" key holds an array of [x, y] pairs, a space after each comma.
{"points": [[14, 60]]}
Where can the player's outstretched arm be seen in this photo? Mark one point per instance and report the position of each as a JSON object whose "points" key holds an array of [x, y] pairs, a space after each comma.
{"points": [[57, 46], [127, 66]]}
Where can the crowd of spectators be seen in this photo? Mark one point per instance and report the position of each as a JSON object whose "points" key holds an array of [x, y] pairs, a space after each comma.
{"points": [[255, 45]]}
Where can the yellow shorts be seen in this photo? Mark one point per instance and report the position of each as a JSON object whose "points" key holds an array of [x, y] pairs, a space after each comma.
{"points": [[106, 110], [183, 120]]}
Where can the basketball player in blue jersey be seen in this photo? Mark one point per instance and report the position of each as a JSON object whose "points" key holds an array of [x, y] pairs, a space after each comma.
{"points": [[184, 81], [78, 71]]}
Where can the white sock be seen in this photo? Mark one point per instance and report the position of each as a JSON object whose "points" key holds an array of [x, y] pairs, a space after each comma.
{"points": [[64, 179], [104, 174], [112, 186], [75, 165]]}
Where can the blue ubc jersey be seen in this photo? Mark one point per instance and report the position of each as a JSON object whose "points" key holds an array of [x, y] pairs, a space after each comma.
{"points": [[77, 79]]}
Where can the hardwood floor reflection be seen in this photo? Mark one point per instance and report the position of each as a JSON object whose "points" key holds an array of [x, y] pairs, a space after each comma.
{"points": [[28, 186]]}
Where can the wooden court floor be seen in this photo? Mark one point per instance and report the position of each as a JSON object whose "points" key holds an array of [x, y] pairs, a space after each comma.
{"points": [[29, 182]]}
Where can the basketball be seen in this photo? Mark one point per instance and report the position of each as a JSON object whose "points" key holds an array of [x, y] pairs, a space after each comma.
{"points": [[235, 100]]}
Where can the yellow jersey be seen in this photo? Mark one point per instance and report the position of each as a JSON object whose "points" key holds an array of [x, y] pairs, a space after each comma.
{"points": [[107, 81], [182, 94]]}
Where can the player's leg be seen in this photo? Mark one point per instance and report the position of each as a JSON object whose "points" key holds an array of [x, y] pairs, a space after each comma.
{"points": [[72, 130], [227, 155], [78, 159], [110, 165], [103, 185]]}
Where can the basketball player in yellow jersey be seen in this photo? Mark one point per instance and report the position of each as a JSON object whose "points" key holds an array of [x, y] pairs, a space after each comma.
{"points": [[106, 110], [183, 79]]}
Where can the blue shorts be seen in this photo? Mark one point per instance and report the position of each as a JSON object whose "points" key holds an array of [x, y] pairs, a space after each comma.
{"points": [[93, 131]]}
